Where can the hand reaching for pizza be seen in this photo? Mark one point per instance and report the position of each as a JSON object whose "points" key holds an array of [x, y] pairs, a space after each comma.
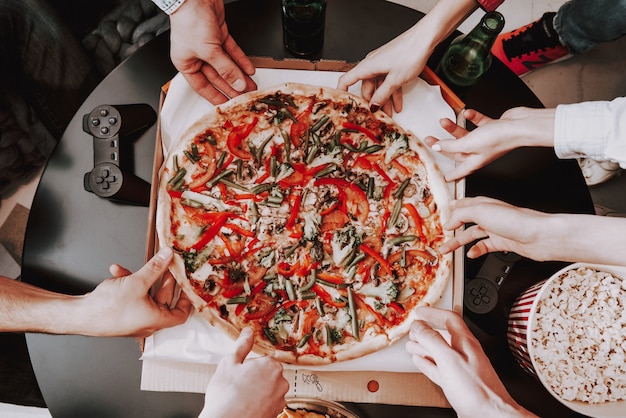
{"points": [[518, 127], [499, 226], [385, 70], [460, 367], [240, 386], [205, 53], [122, 306]]}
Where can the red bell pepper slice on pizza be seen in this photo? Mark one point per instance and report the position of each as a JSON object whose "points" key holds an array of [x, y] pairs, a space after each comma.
{"points": [[353, 198], [237, 136], [361, 129]]}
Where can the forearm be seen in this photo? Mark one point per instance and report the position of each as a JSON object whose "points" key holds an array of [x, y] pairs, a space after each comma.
{"points": [[27, 308], [441, 21], [584, 238], [528, 127]]}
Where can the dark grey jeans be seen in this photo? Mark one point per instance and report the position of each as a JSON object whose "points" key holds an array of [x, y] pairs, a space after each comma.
{"points": [[582, 24]]}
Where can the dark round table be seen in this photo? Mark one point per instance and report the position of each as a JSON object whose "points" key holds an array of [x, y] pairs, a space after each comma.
{"points": [[73, 236]]}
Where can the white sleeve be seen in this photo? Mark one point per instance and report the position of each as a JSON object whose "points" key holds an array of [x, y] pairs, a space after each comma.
{"points": [[168, 6], [592, 129]]}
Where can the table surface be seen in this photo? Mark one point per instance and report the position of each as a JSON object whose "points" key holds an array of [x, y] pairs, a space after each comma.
{"points": [[73, 236]]}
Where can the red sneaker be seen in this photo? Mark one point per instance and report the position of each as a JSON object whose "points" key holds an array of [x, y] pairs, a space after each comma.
{"points": [[531, 46]]}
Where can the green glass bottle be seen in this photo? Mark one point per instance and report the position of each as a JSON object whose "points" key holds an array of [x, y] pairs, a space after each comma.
{"points": [[469, 56]]}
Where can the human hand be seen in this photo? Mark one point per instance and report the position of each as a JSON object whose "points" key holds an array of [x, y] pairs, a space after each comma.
{"points": [[385, 70], [240, 386], [500, 226], [492, 138], [460, 368], [122, 305], [205, 53]]}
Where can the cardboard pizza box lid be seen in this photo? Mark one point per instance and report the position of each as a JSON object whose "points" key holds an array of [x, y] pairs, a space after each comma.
{"points": [[412, 389]]}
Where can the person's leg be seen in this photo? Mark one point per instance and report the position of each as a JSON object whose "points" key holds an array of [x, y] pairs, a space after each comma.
{"points": [[43, 62], [531, 46], [582, 24], [576, 27]]}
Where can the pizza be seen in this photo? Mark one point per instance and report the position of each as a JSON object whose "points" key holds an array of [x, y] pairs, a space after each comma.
{"points": [[296, 211]]}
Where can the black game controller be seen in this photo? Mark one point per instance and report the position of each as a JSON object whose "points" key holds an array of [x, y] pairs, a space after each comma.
{"points": [[480, 297], [112, 128]]}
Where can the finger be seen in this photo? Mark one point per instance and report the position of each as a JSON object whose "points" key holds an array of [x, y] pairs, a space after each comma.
{"points": [[428, 367], [481, 248], [415, 349], [165, 294], [396, 100], [430, 340], [429, 318], [452, 128], [239, 57], [460, 171], [476, 117], [387, 108], [118, 271], [216, 79], [220, 69], [154, 268], [243, 345], [449, 246], [465, 237], [368, 87], [383, 92], [354, 75], [180, 312], [200, 83]]}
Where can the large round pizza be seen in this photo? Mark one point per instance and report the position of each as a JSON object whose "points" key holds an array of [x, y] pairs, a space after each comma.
{"points": [[298, 212]]}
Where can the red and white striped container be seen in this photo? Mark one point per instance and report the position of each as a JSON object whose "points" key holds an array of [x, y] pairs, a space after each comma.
{"points": [[519, 319], [520, 322]]}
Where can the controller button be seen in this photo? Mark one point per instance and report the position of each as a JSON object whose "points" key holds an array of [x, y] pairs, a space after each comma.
{"points": [[114, 144], [483, 290], [113, 120], [474, 292], [476, 301], [485, 299], [104, 130], [112, 179], [104, 112], [99, 180], [95, 121]]}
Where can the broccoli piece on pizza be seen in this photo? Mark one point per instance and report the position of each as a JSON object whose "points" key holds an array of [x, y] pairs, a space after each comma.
{"points": [[398, 144], [194, 260], [385, 292], [236, 273], [345, 243]]}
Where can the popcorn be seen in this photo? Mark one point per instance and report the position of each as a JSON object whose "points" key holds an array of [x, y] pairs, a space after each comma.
{"points": [[579, 336]]}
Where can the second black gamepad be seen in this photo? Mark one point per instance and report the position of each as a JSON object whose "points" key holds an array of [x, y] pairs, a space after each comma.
{"points": [[480, 297], [111, 127]]}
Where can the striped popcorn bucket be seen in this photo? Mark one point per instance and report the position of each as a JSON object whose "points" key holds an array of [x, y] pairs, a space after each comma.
{"points": [[518, 324]]}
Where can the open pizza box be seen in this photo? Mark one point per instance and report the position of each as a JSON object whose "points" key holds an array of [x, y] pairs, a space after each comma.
{"points": [[183, 358]]}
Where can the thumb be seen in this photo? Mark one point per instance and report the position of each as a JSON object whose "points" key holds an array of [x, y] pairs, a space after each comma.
{"points": [[155, 267], [243, 345]]}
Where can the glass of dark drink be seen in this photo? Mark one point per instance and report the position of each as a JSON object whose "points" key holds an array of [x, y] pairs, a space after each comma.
{"points": [[303, 25]]}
